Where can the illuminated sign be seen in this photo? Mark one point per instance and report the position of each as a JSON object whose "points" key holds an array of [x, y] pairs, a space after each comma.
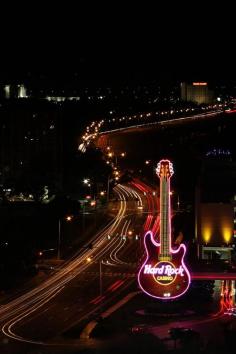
{"points": [[164, 275], [163, 269], [199, 83]]}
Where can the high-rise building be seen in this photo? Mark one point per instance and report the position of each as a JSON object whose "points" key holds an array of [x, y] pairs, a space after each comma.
{"points": [[215, 230], [214, 218], [197, 92], [13, 91]]}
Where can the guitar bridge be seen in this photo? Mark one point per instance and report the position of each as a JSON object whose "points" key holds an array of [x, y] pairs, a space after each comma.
{"points": [[164, 258]]}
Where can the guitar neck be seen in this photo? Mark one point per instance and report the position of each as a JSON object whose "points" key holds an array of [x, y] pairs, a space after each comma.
{"points": [[165, 227]]}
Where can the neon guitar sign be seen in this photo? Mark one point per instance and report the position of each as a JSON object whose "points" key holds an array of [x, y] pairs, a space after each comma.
{"points": [[164, 274]]}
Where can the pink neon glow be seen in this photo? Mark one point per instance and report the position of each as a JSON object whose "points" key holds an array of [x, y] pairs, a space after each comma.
{"points": [[156, 244], [164, 171]]}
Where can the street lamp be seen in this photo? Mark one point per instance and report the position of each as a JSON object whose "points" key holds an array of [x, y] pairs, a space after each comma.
{"points": [[68, 218], [87, 182]]}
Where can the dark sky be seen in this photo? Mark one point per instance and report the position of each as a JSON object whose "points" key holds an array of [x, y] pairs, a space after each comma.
{"points": [[120, 43]]}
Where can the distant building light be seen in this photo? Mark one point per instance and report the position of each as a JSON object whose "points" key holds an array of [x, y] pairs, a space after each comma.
{"points": [[219, 152], [7, 91], [22, 91], [199, 83]]}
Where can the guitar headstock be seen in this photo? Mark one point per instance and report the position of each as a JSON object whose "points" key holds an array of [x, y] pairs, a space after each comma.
{"points": [[164, 169]]}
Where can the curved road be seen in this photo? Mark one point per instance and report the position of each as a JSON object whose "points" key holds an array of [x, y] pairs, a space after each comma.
{"points": [[86, 284]]}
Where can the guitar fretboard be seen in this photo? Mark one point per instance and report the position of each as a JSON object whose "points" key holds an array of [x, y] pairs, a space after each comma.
{"points": [[165, 227]]}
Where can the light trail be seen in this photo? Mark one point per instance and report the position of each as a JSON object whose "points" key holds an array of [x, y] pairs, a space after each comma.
{"points": [[25, 305], [164, 122], [44, 292]]}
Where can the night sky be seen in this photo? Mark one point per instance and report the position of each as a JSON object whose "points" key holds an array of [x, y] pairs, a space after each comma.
{"points": [[117, 43]]}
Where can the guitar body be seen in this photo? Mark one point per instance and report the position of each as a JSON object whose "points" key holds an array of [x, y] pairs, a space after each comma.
{"points": [[163, 277]]}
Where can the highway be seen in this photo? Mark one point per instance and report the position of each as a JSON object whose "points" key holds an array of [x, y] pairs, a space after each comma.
{"points": [[79, 291]]}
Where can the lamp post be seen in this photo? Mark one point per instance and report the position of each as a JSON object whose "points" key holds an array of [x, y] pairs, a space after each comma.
{"points": [[108, 188], [59, 240], [68, 218], [87, 182], [100, 283], [100, 277], [89, 259]]}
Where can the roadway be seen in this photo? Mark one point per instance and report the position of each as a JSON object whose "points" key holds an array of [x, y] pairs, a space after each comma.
{"points": [[78, 291]]}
